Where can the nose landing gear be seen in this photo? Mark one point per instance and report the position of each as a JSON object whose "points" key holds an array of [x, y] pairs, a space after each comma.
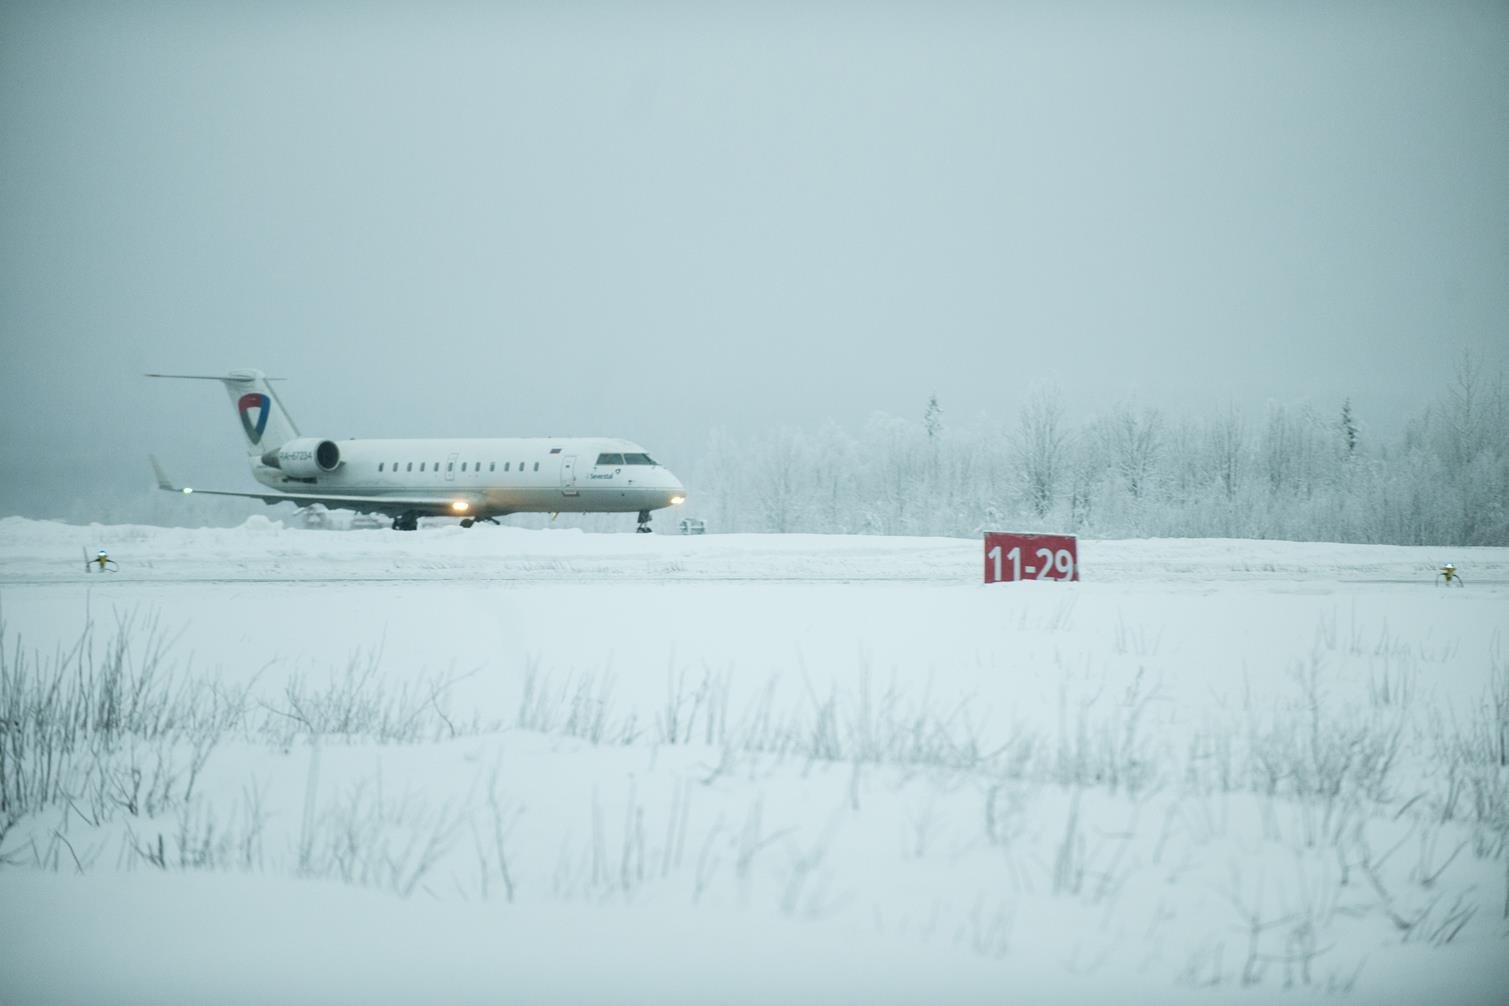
{"points": [[644, 522]]}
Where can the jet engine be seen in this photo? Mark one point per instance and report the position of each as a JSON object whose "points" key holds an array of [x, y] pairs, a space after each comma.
{"points": [[305, 458]]}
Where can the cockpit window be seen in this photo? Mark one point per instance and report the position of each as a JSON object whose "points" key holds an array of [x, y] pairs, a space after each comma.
{"points": [[611, 459], [638, 459]]}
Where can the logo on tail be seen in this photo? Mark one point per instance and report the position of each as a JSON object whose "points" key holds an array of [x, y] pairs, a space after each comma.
{"points": [[254, 426]]}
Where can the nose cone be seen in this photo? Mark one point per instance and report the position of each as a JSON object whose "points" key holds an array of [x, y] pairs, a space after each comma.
{"points": [[675, 492]]}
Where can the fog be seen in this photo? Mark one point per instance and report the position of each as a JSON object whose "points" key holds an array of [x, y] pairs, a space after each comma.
{"points": [[660, 220]]}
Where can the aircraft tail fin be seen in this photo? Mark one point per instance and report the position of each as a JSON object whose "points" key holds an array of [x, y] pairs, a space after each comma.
{"points": [[265, 424]]}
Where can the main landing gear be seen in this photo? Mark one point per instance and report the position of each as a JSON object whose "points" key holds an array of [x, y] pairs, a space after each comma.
{"points": [[406, 521], [644, 522]]}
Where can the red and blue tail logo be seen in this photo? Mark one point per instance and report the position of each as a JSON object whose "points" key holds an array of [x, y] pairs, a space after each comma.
{"points": [[257, 403]]}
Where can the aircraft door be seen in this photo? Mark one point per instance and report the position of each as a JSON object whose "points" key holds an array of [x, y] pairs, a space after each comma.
{"points": [[568, 476], [450, 467]]}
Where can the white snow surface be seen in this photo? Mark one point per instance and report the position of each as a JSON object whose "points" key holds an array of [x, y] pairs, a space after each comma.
{"points": [[755, 768]]}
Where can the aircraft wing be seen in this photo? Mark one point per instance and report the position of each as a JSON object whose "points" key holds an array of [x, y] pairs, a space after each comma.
{"points": [[390, 505]]}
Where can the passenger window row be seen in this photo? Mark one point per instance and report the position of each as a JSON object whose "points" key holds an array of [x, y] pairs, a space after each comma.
{"points": [[492, 466]]}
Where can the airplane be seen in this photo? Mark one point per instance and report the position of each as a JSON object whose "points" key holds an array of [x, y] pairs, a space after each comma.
{"points": [[473, 479]]}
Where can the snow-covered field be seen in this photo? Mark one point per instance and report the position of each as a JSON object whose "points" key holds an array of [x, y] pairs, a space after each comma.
{"points": [[485, 764]]}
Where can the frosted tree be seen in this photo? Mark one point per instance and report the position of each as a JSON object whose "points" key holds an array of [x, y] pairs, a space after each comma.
{"points": [[1277, 450], [1133, 437], [1291, 452], [1472, 448], [932, 425], [1468, 413], [1086, 468], [1181, 492], [894, 450], [781, 469], [1227, 439], [1348, 428], [1040, 448], [932, 419], [836, 490], [720, 485]]}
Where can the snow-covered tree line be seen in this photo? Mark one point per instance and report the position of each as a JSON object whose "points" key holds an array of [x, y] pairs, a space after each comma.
{"points": [[1294, 472]]}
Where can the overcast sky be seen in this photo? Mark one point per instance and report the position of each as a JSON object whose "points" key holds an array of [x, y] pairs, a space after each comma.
{"points": [[649, 220]]}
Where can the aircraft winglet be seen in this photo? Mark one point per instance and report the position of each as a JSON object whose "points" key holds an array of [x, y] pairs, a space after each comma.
{"points": [[163, 482]]}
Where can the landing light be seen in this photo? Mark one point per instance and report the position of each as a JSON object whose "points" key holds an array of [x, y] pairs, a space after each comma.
{"points": [[677, 500], [460, 506], [187, 490]]}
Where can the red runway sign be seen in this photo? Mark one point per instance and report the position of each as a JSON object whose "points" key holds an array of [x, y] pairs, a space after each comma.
{"points": [[1011, 556]]}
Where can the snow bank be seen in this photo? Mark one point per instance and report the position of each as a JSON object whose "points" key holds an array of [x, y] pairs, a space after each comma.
{"points": [[571, 767]]}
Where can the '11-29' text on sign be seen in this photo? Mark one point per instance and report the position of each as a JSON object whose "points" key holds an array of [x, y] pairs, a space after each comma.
{"points": [[1030, 557]]}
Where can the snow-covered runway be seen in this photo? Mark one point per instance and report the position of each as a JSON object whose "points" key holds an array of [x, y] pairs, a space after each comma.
{"points": [[36, 552]]}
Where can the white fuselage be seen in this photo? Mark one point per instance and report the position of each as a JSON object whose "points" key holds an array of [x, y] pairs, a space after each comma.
{"points": [[494, 476]]}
